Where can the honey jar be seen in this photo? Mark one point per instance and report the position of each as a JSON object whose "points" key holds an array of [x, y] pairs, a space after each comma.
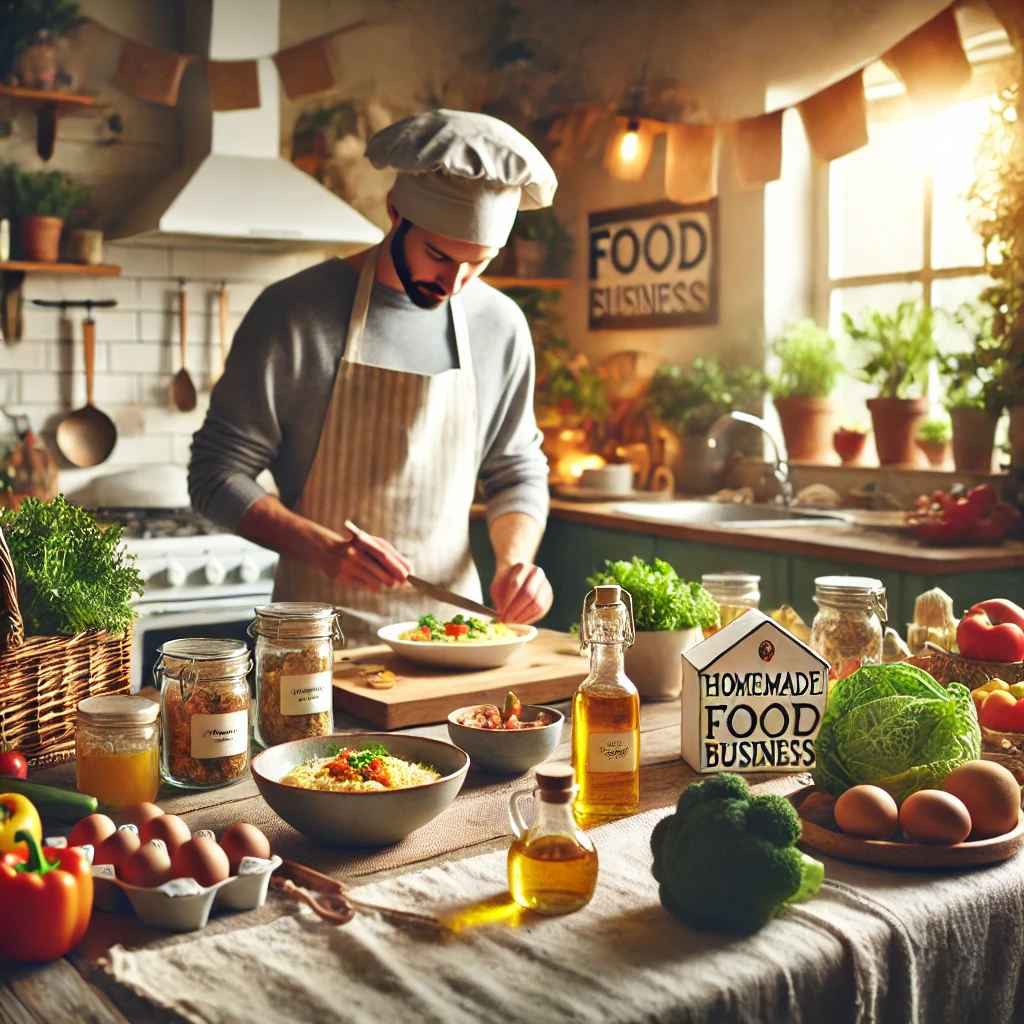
{"points": [[117, 749]]}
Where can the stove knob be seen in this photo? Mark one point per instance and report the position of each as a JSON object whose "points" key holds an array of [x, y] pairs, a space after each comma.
{"points": [[214, 573], [175, 573], [248, 571]]}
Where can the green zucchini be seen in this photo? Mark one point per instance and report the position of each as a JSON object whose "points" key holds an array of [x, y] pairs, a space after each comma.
{"points": [[51, 802]]}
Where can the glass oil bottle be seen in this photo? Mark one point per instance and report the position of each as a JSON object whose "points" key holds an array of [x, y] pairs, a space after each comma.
{"points": [[606, 713], [552, 867]]}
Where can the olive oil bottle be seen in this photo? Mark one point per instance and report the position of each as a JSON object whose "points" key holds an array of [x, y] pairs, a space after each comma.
{"points": [[606, 713]]}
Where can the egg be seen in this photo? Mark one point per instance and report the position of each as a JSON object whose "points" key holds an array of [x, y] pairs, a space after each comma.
{"points": [[116, 849], [243, 840], [168, 827], [149, 866], [138, 814], [201, 859], [931, 816], [819, 808], [91, 831], [867, 812], [991, 795]]}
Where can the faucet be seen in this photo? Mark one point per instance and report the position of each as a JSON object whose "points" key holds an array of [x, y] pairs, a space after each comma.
{"points": [[781, 468]]}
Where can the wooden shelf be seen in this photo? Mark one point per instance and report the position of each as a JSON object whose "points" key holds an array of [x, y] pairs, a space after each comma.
{"points": [[502, 283], [38, 97], [47, 104], [81, 269]]}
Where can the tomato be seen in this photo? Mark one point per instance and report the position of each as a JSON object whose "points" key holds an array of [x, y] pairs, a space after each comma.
{"points": [[939, 531], [456, 628], [988, 530], [13, 765]]}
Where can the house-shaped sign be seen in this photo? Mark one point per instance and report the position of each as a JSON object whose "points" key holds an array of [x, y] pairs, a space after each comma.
{"points": [[753, 697]]}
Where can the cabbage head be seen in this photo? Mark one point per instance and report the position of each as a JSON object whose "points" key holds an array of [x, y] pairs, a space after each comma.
{"points": [[894, 726]]}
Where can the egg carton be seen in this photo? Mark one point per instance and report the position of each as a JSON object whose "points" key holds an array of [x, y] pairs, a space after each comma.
{"points": [[182, 904]]}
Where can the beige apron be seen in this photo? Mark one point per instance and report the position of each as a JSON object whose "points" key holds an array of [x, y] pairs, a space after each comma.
{"points": [[398, 456]]}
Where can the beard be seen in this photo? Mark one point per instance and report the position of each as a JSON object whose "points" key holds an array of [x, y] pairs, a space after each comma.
{"points": [[425, 294]]}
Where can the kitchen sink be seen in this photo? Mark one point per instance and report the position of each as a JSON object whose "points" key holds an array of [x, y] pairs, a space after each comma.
{"points": [[725, 516]]}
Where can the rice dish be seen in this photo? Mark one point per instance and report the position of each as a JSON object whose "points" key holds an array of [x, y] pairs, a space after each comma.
{"points": [[359, 771], [460, 630]]}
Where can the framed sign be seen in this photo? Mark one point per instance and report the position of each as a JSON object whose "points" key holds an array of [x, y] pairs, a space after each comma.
{"points": [[654, 265]]}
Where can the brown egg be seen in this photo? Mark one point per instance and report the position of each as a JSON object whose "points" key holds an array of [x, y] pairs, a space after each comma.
{"points": [[91, 831], [149, 866], [819, 808], [138, 814], [168, 827], [243, 840], [868, 812], [201, 859], [991, 795], [116, 849], [931, 816]]}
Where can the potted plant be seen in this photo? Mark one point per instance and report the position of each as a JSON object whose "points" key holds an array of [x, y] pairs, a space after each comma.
{"points": [[670, 616], [849, 444], [542, 245], [43, 200], [29, 32], [900, 346], [687, 402], [801, 390], [933, 437]]}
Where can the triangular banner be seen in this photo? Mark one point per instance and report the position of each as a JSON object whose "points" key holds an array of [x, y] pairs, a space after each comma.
{"points": [[305, 69], [691, 162], [150, 73], [836, 119], [234, 84], [931, 62], [757, 148]]}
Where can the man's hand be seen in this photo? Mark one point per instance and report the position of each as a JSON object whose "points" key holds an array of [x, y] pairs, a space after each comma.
{"points": [[521, 593], [366, 561]]}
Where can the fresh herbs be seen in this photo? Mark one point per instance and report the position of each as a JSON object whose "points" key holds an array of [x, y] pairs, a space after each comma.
{"points": [[809, 364], [43, 194], [689, 401], [662, 601], [900, 346], [360, 760], [73, 575]]}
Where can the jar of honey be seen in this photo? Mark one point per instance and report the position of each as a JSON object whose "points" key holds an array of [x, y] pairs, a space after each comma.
{"points": [[117, 747]]}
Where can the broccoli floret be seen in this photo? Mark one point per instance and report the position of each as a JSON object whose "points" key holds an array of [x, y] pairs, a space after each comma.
{"points": [[726, 861]]}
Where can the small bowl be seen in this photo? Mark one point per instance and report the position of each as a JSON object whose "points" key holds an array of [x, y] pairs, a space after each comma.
{"points": [[360, 819], [508, 751]]}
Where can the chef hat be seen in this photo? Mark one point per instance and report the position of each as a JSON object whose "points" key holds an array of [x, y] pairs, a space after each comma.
{"points": [[463, 175]]}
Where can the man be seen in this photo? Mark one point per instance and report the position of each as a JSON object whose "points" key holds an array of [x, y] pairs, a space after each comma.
{"points": [[380, 391]]}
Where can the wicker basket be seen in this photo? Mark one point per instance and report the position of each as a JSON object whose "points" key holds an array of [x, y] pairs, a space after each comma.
{"points": [[42, 678]]}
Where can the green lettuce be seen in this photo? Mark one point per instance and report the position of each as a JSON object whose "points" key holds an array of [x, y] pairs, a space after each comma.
{"points": [[894, 726]]}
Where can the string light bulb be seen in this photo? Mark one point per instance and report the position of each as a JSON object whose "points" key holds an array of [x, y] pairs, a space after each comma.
{"points": [[629, 146]]}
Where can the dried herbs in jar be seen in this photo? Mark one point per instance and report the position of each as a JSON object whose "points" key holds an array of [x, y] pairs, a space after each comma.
{"points": [[204, 697], [849, 628], [294, 670]]}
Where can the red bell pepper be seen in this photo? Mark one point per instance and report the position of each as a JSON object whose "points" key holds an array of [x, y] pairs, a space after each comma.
{"points": [[978, 637], [983, 498], [999, 610], [988, 529], [456, 628], [45, 904]]}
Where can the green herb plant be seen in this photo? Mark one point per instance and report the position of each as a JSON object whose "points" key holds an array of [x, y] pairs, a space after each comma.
{"points": [[899, 345], [662, 601], [73, 574], [689, 401], [935, 431], [543, 226], [977, 378], [809, 364], [24, 23], [43, 194]]}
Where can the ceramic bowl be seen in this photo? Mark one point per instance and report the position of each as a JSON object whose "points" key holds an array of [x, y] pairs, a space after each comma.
{"points": [[465, 656], [360, 819], [508, 751]]}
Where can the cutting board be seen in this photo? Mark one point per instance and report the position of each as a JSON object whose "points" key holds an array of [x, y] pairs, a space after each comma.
{"points": [[548, 668]]}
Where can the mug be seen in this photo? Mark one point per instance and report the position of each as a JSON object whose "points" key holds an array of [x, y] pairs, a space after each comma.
{"points": [[617, 477]]}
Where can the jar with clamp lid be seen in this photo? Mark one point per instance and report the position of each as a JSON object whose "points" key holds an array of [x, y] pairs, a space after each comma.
{"points": [[849, 627], [733, 592], [204, 701]]}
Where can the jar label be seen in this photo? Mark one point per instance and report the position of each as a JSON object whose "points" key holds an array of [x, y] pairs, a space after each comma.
{"points": [[307, 693], [611, 752], [220, 735]]}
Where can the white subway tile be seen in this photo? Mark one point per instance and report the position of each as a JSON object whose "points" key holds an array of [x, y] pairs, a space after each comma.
{"points": [[138, 260], [69, 356], [181, 449], [40, 324], [116, 324], [46, 389], [22, 355], [142, 449], [242, 296], [188, 263], [165, 327], [108, 389], [140, 357], [165, 420], [158, 295], [224, 265]]}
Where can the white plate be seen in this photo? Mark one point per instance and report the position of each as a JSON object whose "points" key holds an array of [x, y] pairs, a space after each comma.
{"points": [[475, 655]]}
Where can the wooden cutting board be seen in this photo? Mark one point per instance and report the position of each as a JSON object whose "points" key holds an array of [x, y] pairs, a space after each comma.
{"points": [[548, 668]]}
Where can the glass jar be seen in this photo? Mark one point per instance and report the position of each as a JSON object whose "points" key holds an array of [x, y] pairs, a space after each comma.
{"points": [[117, 749], [204, 698], [848, 629], [734, 592], [294, 670]]}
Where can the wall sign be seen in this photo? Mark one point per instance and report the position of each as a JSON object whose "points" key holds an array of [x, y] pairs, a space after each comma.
{"points": [[653, 266]]}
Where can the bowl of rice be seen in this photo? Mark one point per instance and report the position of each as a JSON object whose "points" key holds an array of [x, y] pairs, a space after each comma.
{"points": [[464, 642], [360, 789]]}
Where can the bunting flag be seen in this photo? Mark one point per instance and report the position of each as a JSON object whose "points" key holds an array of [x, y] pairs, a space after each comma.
{"points": [[234, 84], [691, 163], [305, 69], [836, 119], [150, 73], [931, 62], [757, 148]]}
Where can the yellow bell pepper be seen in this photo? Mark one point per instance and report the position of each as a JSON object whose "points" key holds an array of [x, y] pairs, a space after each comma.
{"points": [[17, 813]]}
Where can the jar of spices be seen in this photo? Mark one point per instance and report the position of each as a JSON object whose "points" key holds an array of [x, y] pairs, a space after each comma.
{"points": [[734, 592], [204, 697], [117, 749], [849, 627], [294, 670]]}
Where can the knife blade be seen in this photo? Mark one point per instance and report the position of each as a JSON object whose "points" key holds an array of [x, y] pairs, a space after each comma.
{"points": [[449, 597]]}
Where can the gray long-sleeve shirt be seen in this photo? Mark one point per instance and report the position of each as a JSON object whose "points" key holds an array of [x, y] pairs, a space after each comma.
{"points": [[268, 408]]}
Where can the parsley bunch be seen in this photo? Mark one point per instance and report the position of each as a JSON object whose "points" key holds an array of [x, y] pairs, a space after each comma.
{"points": [[73, 574]]}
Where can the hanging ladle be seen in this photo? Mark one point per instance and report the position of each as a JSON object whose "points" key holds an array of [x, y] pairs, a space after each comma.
{"points": [[183, 391]]}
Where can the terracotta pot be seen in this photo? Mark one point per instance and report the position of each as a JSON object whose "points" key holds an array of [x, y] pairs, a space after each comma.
{"points": [[40, 238], [895, 422], [935, 452], [655, 664], [849, 445], [1016, 437], [807, 425], [530, 257], [36, 67], [974, 433]]}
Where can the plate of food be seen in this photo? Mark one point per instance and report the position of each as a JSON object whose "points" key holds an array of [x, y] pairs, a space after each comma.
{"points": [[464, 642]]}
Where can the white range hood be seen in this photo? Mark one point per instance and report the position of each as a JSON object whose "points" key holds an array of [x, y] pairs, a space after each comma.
{"points": [[234, 187]]}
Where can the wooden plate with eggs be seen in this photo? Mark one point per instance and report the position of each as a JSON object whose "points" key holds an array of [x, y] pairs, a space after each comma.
{"points": [[893, 853]]}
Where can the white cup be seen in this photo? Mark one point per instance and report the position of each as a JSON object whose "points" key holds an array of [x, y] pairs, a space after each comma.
{"points": [[616, 478]]}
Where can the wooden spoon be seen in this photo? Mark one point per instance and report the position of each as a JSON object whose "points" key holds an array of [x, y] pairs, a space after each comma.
{"points": [[183, 391], [86, 437], [222, 329]]}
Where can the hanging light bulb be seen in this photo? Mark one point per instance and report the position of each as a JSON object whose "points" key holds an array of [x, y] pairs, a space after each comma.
{"points": [[629, 146]]}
